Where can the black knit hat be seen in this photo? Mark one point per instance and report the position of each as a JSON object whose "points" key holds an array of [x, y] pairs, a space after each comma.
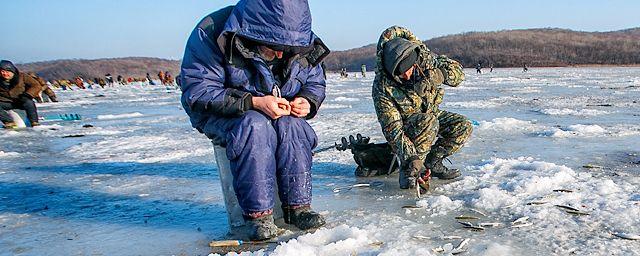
{"points": [[398, 55], [406, 63]]}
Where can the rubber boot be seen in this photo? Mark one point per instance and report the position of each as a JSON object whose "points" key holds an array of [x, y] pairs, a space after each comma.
{"points": [[261, 228], [34, 124], [302, 217]]}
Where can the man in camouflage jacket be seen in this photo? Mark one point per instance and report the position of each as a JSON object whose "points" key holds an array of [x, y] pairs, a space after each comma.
{"points": [[406, 94]]}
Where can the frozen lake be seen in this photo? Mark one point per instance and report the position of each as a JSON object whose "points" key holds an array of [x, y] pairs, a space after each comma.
{"points": [[141, 181]]}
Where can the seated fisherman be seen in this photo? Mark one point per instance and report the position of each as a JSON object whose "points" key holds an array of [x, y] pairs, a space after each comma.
{"points": [[17, 91], [251, 76]]}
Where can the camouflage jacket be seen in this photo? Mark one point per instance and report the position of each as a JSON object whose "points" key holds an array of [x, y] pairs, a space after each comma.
{"points": [[395, 102]]}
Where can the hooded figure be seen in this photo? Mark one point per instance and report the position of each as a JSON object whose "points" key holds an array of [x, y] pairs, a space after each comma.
{"points": [[17, 91], [407, 93], [251, 76]]}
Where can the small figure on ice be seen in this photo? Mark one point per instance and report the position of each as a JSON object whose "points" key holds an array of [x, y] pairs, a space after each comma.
{"points": [[250, 82], [479, 68], [343, 73], [363, 70], [406, 93]]}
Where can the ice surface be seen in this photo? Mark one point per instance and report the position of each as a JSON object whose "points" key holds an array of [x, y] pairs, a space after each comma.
{"points": [[141, 181]]}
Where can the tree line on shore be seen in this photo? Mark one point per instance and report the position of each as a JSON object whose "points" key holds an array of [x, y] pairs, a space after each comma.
{"points": [[513, 48], [507, 48]]}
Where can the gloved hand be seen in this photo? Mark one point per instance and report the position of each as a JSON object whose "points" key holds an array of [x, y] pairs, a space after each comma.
{"points": [[409, 174], [416, 167], [451, 70]]}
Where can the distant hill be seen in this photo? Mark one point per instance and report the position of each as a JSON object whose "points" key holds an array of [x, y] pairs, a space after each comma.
{"points": [[507, 48], [88, 69], [512, 48]]}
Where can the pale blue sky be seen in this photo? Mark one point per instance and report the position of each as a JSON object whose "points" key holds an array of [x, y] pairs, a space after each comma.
{"points": [[36, 30]]}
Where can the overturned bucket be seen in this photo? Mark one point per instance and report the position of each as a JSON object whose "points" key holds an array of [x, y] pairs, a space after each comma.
{"points": [[18, 117]]}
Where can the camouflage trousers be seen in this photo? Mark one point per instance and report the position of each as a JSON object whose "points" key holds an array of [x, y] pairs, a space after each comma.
{"points": [[440, 135]]}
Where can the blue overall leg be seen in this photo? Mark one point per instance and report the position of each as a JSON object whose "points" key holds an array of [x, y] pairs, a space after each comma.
{"points": [[296, 140], [251, 147]]}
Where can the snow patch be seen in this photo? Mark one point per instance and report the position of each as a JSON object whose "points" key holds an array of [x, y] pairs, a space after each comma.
{"points": [[473, 104], [579, 130], [120, 116], [507, 124], [492, 198], [572, 112], [439, 205], [495, 249], [334, 106], [343, 99], [333, 241], [8, 154]]}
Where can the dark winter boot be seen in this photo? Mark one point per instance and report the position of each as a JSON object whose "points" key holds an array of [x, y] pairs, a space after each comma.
{"points": [[10, 125], [261, 228], [438, 170], [302, 217]]}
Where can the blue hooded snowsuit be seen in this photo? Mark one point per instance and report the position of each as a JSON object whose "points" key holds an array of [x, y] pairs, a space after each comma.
{"points": [[219, 76]]}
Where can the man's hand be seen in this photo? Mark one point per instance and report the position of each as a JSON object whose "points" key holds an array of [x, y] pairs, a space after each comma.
{"points": [[271, 106], [416, 167], [300, 107]]}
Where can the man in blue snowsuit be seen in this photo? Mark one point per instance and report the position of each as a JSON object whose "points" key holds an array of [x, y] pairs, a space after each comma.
{"points": [[251, 76]]}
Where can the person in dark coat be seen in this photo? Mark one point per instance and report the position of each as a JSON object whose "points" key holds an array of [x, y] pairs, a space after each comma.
{"points": [[151, 82], [251, 76], [44, 89], [109, 79], [17, 91]]}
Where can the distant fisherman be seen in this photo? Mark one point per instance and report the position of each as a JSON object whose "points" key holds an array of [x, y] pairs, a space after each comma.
{"points": [[44, 89], [479, 68], [151, 82], [363, 69], [407, 95], [251, 77], [17, 91]]}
